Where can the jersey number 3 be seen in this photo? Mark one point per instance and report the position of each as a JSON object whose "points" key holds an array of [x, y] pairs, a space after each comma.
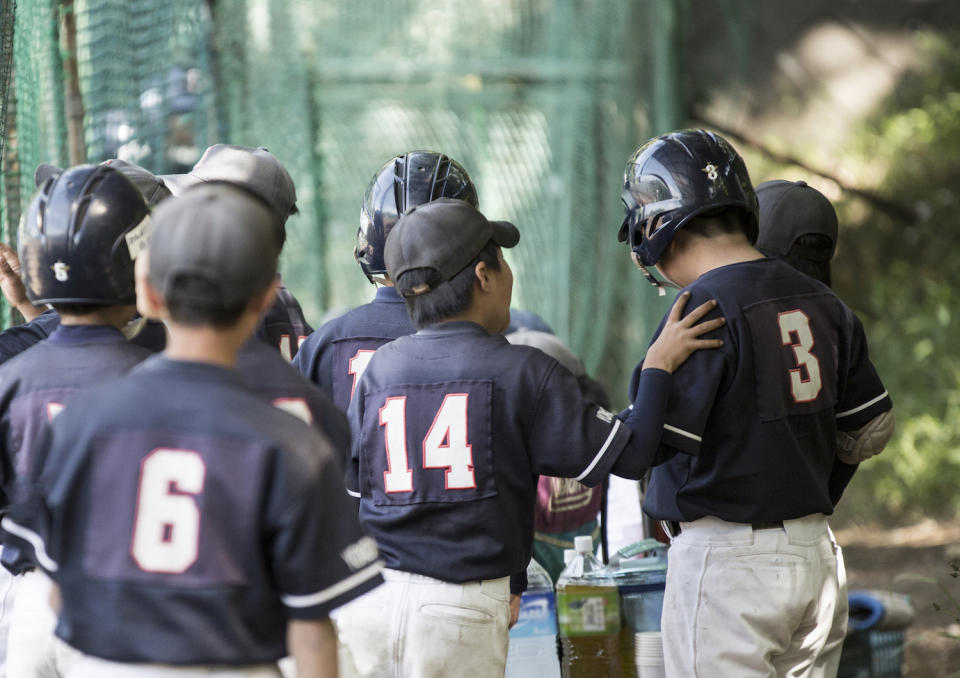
{"points": [[166, 529], [445, 445], [795, 332]]}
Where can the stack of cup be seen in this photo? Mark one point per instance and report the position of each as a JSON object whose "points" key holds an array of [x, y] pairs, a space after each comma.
{"points": [[648, 646]]}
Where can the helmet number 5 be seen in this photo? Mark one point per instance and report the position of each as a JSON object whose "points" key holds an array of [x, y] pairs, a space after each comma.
{"points": [[795, 332]]}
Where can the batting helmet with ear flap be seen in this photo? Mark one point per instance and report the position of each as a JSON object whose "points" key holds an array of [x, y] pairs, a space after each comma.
{"points": [[676, 177], [79, 236], [405, 181]]}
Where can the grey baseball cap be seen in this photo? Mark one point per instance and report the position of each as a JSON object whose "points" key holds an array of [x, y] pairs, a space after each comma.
{"points": [[790, 209], [215, 245], [255, 169], [444, 235], [151, 187]]}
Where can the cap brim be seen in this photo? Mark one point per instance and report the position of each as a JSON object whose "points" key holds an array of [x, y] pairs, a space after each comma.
{"points": [[178, 183], [505, 234], [44, 171]]}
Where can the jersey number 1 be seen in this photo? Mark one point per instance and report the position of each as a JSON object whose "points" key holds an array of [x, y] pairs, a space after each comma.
{"points": [[796, 324], [166, 530], [445, 445]]}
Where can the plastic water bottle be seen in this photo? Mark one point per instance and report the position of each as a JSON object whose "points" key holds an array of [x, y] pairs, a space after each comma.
{"points": [[588, 608], [533, 639], [640, 572]]}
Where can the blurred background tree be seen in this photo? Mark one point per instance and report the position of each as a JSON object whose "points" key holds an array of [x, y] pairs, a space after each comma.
{"points": [[542, 101]]}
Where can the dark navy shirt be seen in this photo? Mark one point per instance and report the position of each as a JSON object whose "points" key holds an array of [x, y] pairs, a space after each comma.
{"points": [[266, 373], [18, 338], [335, 355], [36, 384], [451, 427], [283, 326], [190, 519], [750, 428]]}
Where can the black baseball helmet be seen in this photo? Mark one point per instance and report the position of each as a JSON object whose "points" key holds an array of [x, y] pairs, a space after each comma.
{"points": [[405, 181], [76, 238], [678, 176]]}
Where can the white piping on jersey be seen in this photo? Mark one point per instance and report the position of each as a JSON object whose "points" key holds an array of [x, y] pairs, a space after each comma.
{"points": [[606, 444], [681, 432], [46, 562], [331, 592], [355, 495], [864, 406]]}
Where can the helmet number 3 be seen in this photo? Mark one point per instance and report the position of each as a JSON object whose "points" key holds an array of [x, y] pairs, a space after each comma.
{"points": [[166, 529], [805, 383]]}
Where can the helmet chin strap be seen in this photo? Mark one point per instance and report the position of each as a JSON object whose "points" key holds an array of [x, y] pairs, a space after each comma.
{"points": [[661, 285]]}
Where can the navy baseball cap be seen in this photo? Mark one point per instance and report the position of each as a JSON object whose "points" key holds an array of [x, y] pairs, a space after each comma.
{"points": [[790, 209], [213, 245], [444, 235], [255, 169]]}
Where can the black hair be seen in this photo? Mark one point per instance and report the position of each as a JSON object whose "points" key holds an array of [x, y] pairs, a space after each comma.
{"points": [[445, 299], [719, 221], [814, 267], [79, 309], [192, 302]]}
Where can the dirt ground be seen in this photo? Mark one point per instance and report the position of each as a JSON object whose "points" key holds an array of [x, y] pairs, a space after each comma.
{"points": [[875, 556]]}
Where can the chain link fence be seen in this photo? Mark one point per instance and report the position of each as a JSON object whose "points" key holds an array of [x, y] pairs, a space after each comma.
{"points": [[541, 100]]}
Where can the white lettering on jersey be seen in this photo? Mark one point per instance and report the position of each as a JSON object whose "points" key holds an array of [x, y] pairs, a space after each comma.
{"points": [[797, 324], [360, 553], [398, 477], [296, 406], [358, 363], [605, 416], [166, 529], [285, 347], [445, 445], [53, 409]]}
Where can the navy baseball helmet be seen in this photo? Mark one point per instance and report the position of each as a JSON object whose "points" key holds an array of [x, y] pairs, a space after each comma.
{"points": [[405, 181], [676, 177], [79, 236]]}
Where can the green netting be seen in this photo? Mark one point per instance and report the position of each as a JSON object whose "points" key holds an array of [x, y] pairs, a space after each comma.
{"points": [[541, 100]]}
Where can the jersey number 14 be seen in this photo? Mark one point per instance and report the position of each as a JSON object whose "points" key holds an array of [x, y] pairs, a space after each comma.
{"points": [[445, 445]]}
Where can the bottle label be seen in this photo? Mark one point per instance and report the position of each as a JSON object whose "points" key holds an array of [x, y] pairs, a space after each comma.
{"points": [[538, 615], [588, 611]]}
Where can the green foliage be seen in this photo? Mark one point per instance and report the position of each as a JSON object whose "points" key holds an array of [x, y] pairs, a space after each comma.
{"points": [[909, 306]]}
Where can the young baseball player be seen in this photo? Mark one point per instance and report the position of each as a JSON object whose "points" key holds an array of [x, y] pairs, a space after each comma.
{"points": [[335, 355], [192, 528], [75, 244], [258, 171], [799, 225], [755, 586], [451, 427]]}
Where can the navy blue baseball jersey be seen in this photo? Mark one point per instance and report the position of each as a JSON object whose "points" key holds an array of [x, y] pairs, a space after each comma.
{"points": [[451, 427], [190, 519], [18, 338], [36, 384], [336, 354], [750, 428], [266, 373], [284, 327]]}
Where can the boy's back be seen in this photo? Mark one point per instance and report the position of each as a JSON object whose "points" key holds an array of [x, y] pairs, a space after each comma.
{"points": [[453, 425], [757, 419], [215, 492]]}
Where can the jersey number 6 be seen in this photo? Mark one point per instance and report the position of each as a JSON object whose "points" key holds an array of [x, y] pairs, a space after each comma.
{"points": [[166, 529], [796, 324], [445, 445]]}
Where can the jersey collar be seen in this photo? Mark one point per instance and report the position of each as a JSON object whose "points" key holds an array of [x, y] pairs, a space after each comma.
{"points": [[85, 334], [388, 294]]}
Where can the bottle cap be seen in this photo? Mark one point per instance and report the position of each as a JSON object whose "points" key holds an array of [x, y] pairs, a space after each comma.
{"points": [[583, 543]]}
